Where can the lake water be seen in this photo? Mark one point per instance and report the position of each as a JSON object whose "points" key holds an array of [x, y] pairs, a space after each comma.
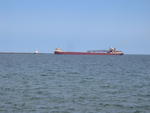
{"points": [[47, 83]]}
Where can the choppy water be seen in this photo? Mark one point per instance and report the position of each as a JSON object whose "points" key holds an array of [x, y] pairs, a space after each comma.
{"points": [[45, 83]]}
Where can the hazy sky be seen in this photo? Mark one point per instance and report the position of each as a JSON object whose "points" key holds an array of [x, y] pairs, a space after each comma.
{"points": [[75, 25]]}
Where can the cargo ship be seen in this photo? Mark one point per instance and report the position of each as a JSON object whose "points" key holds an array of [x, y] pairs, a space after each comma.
{"points": [[111, 51]]}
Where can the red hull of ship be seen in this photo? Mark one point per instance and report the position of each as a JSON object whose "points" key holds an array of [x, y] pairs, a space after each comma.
{"points": [[85, 53]]}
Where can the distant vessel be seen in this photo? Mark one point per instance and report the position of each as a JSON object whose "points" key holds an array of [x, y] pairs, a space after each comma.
{"points": [[36, 52], [111, 51]]}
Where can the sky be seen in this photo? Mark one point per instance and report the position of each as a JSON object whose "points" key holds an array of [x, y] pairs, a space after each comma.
{"points": [[75, 25]]}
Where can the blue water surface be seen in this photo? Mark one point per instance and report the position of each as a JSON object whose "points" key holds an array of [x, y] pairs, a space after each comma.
{"points": [[47, 83]]}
